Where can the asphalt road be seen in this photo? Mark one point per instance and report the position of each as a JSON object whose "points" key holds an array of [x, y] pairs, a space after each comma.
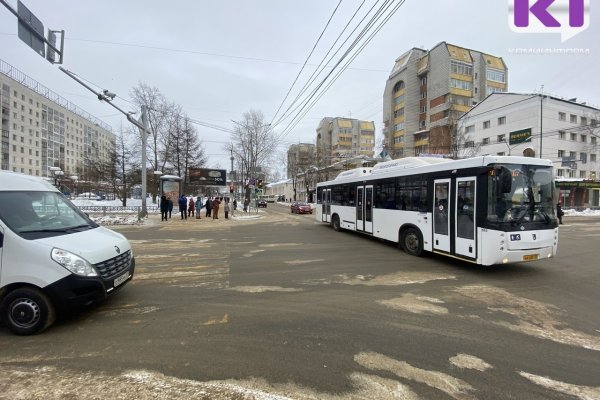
{"points": [[283, 307]]}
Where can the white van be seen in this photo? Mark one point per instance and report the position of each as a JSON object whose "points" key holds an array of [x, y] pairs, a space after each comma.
{"points": [[52, 256]]}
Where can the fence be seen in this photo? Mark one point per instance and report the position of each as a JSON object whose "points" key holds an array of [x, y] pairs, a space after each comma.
{"points": [[104, 210]]}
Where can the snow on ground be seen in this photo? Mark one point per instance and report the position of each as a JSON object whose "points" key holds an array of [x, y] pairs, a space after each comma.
{"points": [[131, 218]]}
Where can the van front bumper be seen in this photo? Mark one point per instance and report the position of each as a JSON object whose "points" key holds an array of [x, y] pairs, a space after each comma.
{"points": [[73, 291]]}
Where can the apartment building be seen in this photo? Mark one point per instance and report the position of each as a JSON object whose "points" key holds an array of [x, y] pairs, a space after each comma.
{"points": [[41, 129], [537, 125], [427, 91], [341, 138], [299, 157]]}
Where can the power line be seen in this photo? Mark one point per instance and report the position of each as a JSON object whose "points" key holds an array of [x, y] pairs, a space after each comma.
{"points": [[307, 58]]}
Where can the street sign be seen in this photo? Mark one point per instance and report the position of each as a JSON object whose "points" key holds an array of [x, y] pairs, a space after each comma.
{"points": [[32, 23]]}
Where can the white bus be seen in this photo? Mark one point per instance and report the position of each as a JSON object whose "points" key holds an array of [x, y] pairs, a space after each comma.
{"points": [[486, 210]]}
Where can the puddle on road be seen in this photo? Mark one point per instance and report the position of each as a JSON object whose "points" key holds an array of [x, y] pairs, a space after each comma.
{"points": [[582, 392], [415, 304], [453, 387], [467, 361], [534, 318]]}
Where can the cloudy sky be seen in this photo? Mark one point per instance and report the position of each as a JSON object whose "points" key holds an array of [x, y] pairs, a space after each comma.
{"points": [[219, 59]]}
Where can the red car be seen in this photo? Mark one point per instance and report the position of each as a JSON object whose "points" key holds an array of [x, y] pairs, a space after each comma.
{"points": [[299, 207]]}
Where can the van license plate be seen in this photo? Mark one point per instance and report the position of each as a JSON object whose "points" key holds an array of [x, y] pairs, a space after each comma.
{"points": [[121, 279], [531, 257]]}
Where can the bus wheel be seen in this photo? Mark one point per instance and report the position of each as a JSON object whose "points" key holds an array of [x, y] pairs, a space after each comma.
{"points": [[335, 223], [412, 242], [27, 311]]}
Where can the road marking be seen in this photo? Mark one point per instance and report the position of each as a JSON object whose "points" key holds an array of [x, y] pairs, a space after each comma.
{"points": [[263, 289], [299, 262]]}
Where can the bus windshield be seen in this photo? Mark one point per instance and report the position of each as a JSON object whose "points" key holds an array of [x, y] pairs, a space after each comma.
{"points": [[520, 193]]}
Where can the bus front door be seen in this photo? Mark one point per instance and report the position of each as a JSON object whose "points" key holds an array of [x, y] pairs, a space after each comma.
{"points": [[441, 215], [326, 205], [364, 209], [464, 229]]}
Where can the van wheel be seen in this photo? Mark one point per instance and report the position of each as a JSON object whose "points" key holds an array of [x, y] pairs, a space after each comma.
{"points": [[412, 243], [335, 223], [27, 311]]}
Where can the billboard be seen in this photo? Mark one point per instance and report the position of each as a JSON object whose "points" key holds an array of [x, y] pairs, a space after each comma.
{"points": [[207, 177], [521, 136]]}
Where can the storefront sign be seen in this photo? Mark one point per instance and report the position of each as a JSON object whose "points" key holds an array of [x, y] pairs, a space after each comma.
{"points": [[520, 136]]}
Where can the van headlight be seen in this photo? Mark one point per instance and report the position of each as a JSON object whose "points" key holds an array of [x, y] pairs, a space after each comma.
{"points": [[73, 263]]}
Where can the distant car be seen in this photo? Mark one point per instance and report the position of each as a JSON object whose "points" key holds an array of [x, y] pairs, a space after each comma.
{"points": [[261, 203], [299, 207]]}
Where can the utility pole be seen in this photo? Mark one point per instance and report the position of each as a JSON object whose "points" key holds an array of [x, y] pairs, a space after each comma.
{"points": [[541, 117], [144, 139]]}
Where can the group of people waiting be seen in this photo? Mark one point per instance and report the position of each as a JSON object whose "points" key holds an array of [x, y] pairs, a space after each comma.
{"points": [[188, 207]]}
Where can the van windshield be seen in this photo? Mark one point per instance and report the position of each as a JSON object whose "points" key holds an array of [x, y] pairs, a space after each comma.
{"points": [[35, 215]]}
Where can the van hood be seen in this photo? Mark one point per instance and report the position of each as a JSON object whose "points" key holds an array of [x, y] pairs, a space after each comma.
{"points": [[95, 245]]}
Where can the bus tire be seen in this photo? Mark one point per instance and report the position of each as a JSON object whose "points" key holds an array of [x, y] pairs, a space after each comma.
{"points": [[27, 311], [412, 242], [335, 223]]}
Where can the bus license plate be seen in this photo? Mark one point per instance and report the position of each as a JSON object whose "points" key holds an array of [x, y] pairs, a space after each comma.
{"points": [[121, 279], [531, 257]]}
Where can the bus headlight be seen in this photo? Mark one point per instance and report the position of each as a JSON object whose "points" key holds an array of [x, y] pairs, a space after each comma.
{"points": [[73, 263], [505, 261]]}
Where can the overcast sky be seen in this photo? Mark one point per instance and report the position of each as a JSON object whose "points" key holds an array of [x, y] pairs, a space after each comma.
{"points": [[219, 59]]}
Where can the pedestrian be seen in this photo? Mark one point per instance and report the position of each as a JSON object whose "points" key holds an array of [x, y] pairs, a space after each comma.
{"points": [[170, 205], [191, 207], [233, 207], [215, 208], [226, 208], [246, 204], [559, 212], [182, 202], [198, 206], [208, 207], [164, 208]]}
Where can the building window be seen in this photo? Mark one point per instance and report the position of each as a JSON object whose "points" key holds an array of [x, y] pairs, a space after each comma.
{"points": [[584, 138], [562, 135], [486, 124], [560, 172], [470, 129], [582, 174], [485, 141], [593, 140], [583, 121], [573, 155], [469, 143], [592, 158], [398, 86], [496, 75], [574, 137], [573, 119], [583, 158], [457, 67], [502, 121], [500, 153], [562, 116], [561, 153], [458, 84], [501, 138], [572, 174]]}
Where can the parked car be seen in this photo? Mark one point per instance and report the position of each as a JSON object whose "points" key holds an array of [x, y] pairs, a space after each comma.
{"points": [[299, 207], [261, 203]]}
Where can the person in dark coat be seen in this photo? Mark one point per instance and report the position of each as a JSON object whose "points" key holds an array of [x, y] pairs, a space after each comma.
{"points": [[182, 202], [208, 206], [559, 213], [164, 208], [170, 204]]}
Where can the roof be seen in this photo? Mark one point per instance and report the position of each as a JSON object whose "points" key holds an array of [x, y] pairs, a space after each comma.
{"points": [[17, 181]]}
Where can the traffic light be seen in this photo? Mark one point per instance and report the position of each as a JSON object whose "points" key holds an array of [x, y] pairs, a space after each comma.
{"points": [[260, 183]]}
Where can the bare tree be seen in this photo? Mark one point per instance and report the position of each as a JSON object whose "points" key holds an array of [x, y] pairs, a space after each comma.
{"points": [[253, 144]]}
